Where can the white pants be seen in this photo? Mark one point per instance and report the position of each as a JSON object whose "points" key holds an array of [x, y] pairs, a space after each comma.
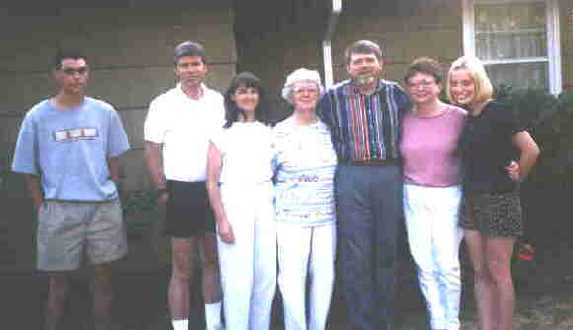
{"points": [[248, 266], [302, 251], [434, 237]]}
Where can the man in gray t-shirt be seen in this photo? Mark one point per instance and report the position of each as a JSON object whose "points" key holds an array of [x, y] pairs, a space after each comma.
{"points": [[68, 149]]}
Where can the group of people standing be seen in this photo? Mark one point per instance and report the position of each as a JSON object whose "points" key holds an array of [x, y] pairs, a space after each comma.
{"points": [[323, 189]]}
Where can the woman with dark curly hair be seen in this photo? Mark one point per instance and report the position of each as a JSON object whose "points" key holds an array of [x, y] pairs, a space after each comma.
{"points": [[432, 191], [241, 194]]}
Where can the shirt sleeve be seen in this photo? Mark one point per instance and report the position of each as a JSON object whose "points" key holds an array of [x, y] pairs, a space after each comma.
{"points": [[508, 118], [117, 138], [327, 115], [275, 150], [220, 120], [325, 110], [218, 139], [26, 153], [402, 99], [154, 128]]}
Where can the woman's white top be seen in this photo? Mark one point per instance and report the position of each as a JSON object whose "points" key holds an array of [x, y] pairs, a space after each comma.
{"points": [[246, 153]]}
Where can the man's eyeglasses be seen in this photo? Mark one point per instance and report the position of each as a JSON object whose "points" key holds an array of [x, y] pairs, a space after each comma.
{"points": [[72, 71]]}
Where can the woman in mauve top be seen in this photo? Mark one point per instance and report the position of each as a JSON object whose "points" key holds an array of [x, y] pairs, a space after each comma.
{"points": [[432, 191], [497, 153]]}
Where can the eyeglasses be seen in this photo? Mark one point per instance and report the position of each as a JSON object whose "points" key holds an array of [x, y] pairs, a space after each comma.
{"points": [[423, 83], [305, 90], [71, 71], [301, 88]]}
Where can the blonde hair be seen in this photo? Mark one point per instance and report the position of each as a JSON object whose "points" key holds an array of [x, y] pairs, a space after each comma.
{"points": [[483, 86]]}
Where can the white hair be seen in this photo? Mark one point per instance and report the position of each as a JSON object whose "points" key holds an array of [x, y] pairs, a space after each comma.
{"points": [[298, 75]]}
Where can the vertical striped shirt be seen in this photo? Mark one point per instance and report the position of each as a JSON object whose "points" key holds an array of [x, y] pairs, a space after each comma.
{"points": [[365, 127]]}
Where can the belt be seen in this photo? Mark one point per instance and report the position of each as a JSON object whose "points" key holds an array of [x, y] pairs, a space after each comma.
{"points": [[374, 162]]}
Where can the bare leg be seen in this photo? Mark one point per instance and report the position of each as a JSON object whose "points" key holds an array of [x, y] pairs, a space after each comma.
{"points": [[210, 269], [498, 252], [211, 284], [181, 271], [57, 293], [483, 285], [102, 296]]}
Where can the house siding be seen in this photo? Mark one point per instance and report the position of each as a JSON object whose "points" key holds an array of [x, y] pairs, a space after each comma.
{"points": [[404, 33], [130, 55], [566, 11]]}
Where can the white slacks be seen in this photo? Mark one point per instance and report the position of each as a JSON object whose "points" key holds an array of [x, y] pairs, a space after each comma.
{"points": [[248, 266], [302, 251], [434, 238]]}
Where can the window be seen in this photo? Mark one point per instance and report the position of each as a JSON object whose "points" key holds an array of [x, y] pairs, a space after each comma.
{"points": [[518, 41]]}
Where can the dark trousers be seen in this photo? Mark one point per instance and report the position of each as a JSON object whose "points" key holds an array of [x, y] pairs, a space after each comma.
{"points": [[369, 206]]}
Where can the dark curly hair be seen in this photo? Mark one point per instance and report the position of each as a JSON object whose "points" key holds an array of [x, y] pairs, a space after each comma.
{"points": [[232, 111], [427, 66]]}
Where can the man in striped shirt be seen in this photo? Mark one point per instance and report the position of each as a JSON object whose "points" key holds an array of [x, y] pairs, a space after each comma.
{"points": [[364, 114]]}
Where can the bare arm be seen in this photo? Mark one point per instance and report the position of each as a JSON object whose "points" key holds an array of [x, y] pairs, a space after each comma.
{"points": [[154, 164], [213, 174], [114, 169], [34, 190], [528, 154], [113, 165]]}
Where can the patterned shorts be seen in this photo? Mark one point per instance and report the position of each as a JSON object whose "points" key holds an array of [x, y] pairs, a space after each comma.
{"points": [[492, 214]]}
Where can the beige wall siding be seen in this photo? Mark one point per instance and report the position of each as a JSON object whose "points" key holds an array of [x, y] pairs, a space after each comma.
{"points": [[566, 9], [404, 33], [129, 51]]}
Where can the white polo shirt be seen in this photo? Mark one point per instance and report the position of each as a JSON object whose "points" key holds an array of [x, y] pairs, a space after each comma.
{"points": [[184, 126]]}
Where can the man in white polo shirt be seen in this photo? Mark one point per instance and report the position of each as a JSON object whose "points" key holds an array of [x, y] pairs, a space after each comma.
{"points": [[177, 130]]}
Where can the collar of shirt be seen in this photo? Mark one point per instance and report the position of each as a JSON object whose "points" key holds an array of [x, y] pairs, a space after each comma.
{"points": [[352, 90], [204, 92]]}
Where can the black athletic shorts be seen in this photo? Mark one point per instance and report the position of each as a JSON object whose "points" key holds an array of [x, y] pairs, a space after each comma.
{"points": [[188, 211]]}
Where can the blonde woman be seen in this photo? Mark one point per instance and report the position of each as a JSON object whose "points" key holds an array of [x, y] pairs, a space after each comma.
{"points": [[497, 153]]}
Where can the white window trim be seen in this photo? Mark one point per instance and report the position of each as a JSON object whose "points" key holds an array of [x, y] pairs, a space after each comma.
{"points": [[553, 39]]}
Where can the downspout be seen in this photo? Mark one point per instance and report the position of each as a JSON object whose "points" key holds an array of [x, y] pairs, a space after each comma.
{"points": [[327, 43]]}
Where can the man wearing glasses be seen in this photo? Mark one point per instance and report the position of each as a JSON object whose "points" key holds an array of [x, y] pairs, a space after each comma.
{"points": [[68, 149]]}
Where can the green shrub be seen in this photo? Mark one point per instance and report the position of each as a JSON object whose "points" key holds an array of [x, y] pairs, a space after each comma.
{"points": [[140, 211]]}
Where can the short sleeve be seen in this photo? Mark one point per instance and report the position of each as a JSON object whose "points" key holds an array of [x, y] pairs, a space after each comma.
{"points": [[509, 118], [218, 139], [275, 149], [402, 99], [25, 155], [325, 109], [117, 138], [220, 112], [154, 127]]}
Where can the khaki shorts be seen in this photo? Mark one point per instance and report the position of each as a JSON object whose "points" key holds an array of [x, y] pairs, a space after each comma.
{"points": [[67, 230]]}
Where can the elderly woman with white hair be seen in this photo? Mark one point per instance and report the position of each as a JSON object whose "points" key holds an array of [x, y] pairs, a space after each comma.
{"points": [[305, 163]]}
